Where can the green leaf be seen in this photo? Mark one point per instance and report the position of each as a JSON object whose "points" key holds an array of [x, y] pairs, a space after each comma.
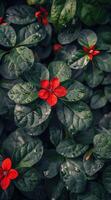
{"points": [[86, 136], [20, 14], [51, 164], [106, 178], [87, 38], [74, 116], [19, 59], [107, 79], [98, 100], [91, 164], [32, 34], [78, 60], [87, 14], [69, 34], [3, 104], [73, 176], [76, 91], [94, 76], [105, 122], [107, 91], [29, 117], [28, 154], [55, 130], [28, 180], [60, 69], [104, 38], [15, 140], [2, 53], [62, 12], [38, 130], [37, 73], [102, 145], [2, 9], [23, 93], [69, 149], [34, 2], [103, 62], [7, 36]]}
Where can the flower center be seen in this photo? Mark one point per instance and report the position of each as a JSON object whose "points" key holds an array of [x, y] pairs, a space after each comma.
{"points": [[5, 173], [91, 51]]}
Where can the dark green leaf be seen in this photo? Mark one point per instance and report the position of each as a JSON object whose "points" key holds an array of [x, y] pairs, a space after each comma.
{"points": [[108, 93], [74, 116], [98, 100], [20, 14], [23, 93], [19, 59], [103, 61], [28, 154], [94, 76], [78, 60], [7, 36], [76, 91], [56, 131], [105, 122], [73, 177], [60, 69], [62, 12], [106, 178], [87, 38], [32, 34], [91, 164], [68, 148], [88, 16], [69, 34], [37, 73], [28, 117], [102, 145], [28, 180]]}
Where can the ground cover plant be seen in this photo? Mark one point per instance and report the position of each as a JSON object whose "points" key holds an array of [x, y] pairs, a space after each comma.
{"points": [[55, 100]]}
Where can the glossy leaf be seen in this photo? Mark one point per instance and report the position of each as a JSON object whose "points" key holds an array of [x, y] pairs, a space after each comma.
{"points": [[60, 69], [28, 154], [7, 36], [23, 93], [19, 59], [74, 116], [29, 117]]}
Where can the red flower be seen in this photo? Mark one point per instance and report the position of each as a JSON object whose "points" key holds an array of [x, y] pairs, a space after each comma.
{"points": [[7, 173], [91, 52], [2, 21], [57, 47], [42, 15], [51, 91]]}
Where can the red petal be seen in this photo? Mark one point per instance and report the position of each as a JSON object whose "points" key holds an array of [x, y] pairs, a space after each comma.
{"points": [[86, 49], [54, 83], [7, 164], [43, 94], [5, 182], [52, 99], [96, 52], [13, 174], [1, 173], [37, 14], [60, 91], [44, 21], [90, 56], [44, 11], [44, 84], [57, 47], [1, 20], [92, 47]]}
